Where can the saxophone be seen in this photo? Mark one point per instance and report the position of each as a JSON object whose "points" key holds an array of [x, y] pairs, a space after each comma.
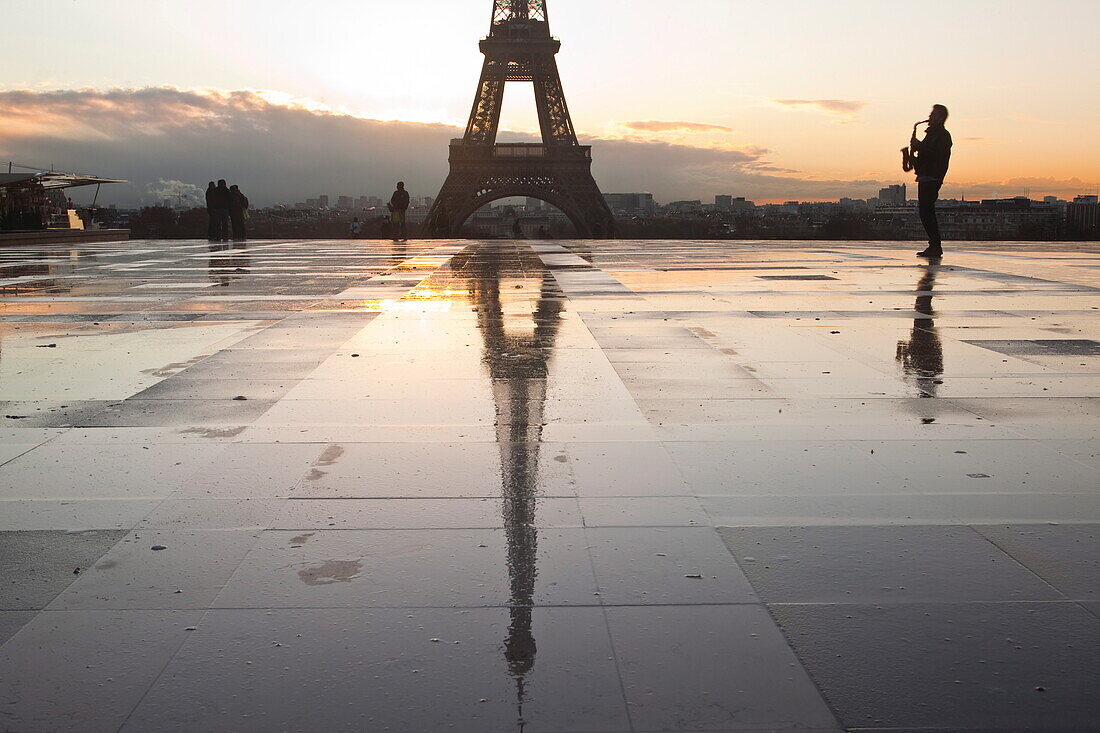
{"points": [[908, 159]]}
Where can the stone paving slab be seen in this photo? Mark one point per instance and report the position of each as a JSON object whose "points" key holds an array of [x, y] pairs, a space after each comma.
{"points": [[549, 486]]}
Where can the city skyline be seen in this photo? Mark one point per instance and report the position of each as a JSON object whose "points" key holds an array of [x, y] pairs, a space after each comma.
{"points": [[800, 102]]}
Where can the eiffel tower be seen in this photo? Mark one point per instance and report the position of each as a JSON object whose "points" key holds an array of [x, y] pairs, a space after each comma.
{"points": [[558, 170]]}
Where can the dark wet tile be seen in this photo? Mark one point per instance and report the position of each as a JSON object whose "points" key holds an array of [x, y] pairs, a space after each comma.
{"points": [[951, 666], [12, 621], [899, 509], [1066, 555], [37, 565], [1041, 347], [879, 565], [85, 670], [232, 357], [549, 669], [711, 668], [665, 565], [174, 388], [413, 568], [258, 370], [142, 413], [188, 572], [51, 414]]}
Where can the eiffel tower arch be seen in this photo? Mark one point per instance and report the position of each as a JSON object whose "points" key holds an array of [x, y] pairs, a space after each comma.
{"points": [[519, 48]]}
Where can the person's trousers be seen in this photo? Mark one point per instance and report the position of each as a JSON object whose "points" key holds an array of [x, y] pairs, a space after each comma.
{"points": [[927, 194], [221, 225], [237, 220], [400, 228], [212, 226]]}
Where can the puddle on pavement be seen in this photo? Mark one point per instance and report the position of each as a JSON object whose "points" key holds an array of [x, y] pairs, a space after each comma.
{"points": [[333, 571]]}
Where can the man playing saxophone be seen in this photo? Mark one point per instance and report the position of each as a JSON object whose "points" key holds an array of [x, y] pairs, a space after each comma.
{"points": [[930, 158]]}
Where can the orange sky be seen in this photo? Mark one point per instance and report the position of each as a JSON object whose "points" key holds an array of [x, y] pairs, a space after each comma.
{"points": [[829, 90]]}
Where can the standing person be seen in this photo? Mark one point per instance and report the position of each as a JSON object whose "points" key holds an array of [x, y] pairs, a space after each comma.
{"points": [[517, 230], [211, 199], [355, 228], [399, 207], [932, 156], [238, 210], [223, 198]]}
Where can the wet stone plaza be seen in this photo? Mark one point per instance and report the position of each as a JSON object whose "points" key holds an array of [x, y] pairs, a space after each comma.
{"points": [[549, 487]]}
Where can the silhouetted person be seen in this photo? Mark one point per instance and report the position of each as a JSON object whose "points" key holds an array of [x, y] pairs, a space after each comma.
{"points": [[517, 230], [399, 208], [211, 204], [355, 228], [543, 234], [238, 210], [932, 157], [222, 200]]}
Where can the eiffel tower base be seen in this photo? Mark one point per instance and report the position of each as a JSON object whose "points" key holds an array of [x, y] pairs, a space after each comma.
{"points": [[561, 177]]}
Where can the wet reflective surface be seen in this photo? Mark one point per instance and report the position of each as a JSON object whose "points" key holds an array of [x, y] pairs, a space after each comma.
{"points": [[548, 486]]}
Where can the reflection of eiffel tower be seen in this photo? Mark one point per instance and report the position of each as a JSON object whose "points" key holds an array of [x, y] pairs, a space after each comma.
{"points": [[518, 349], [558, 170], [921, 357]]}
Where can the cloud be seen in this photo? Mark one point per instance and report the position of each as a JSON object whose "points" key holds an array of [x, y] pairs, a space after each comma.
{"points": [[283, 150], [674, 126], [847, 109], [177, 191]]}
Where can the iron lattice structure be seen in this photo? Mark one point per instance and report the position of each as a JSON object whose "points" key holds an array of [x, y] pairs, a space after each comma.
{"points": [[519, 48]]}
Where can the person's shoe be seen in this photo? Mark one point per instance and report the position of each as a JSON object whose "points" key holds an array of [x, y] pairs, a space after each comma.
{"points": [[930, 253]]}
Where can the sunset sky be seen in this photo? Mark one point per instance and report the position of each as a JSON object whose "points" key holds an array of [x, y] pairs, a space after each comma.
{"points": [[770, 100]]}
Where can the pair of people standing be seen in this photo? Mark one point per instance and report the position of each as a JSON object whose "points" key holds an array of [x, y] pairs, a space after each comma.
{"points": [[227, 208]]}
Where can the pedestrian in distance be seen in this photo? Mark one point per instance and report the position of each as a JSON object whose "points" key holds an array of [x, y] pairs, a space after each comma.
{"points": [[517, 230], [222, 199], [238, 212], [930, 158], [399, 207], [212, 224], [355, 228]]}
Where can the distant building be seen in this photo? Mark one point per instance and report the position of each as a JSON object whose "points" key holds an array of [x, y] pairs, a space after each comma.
{"points": [[694, 206], [345, 202], [631, 204], [322, 201], [1014, 218], [892, 196], [1083, 217]]}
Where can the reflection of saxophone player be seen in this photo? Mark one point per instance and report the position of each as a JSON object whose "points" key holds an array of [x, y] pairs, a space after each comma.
{"points": [[908, 159], [921, 357]]}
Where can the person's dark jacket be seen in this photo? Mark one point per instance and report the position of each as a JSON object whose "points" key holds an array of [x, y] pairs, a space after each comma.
{"points": [[222, 198], [934, 153], [400, 200], [238, 202], [211, 197]]}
